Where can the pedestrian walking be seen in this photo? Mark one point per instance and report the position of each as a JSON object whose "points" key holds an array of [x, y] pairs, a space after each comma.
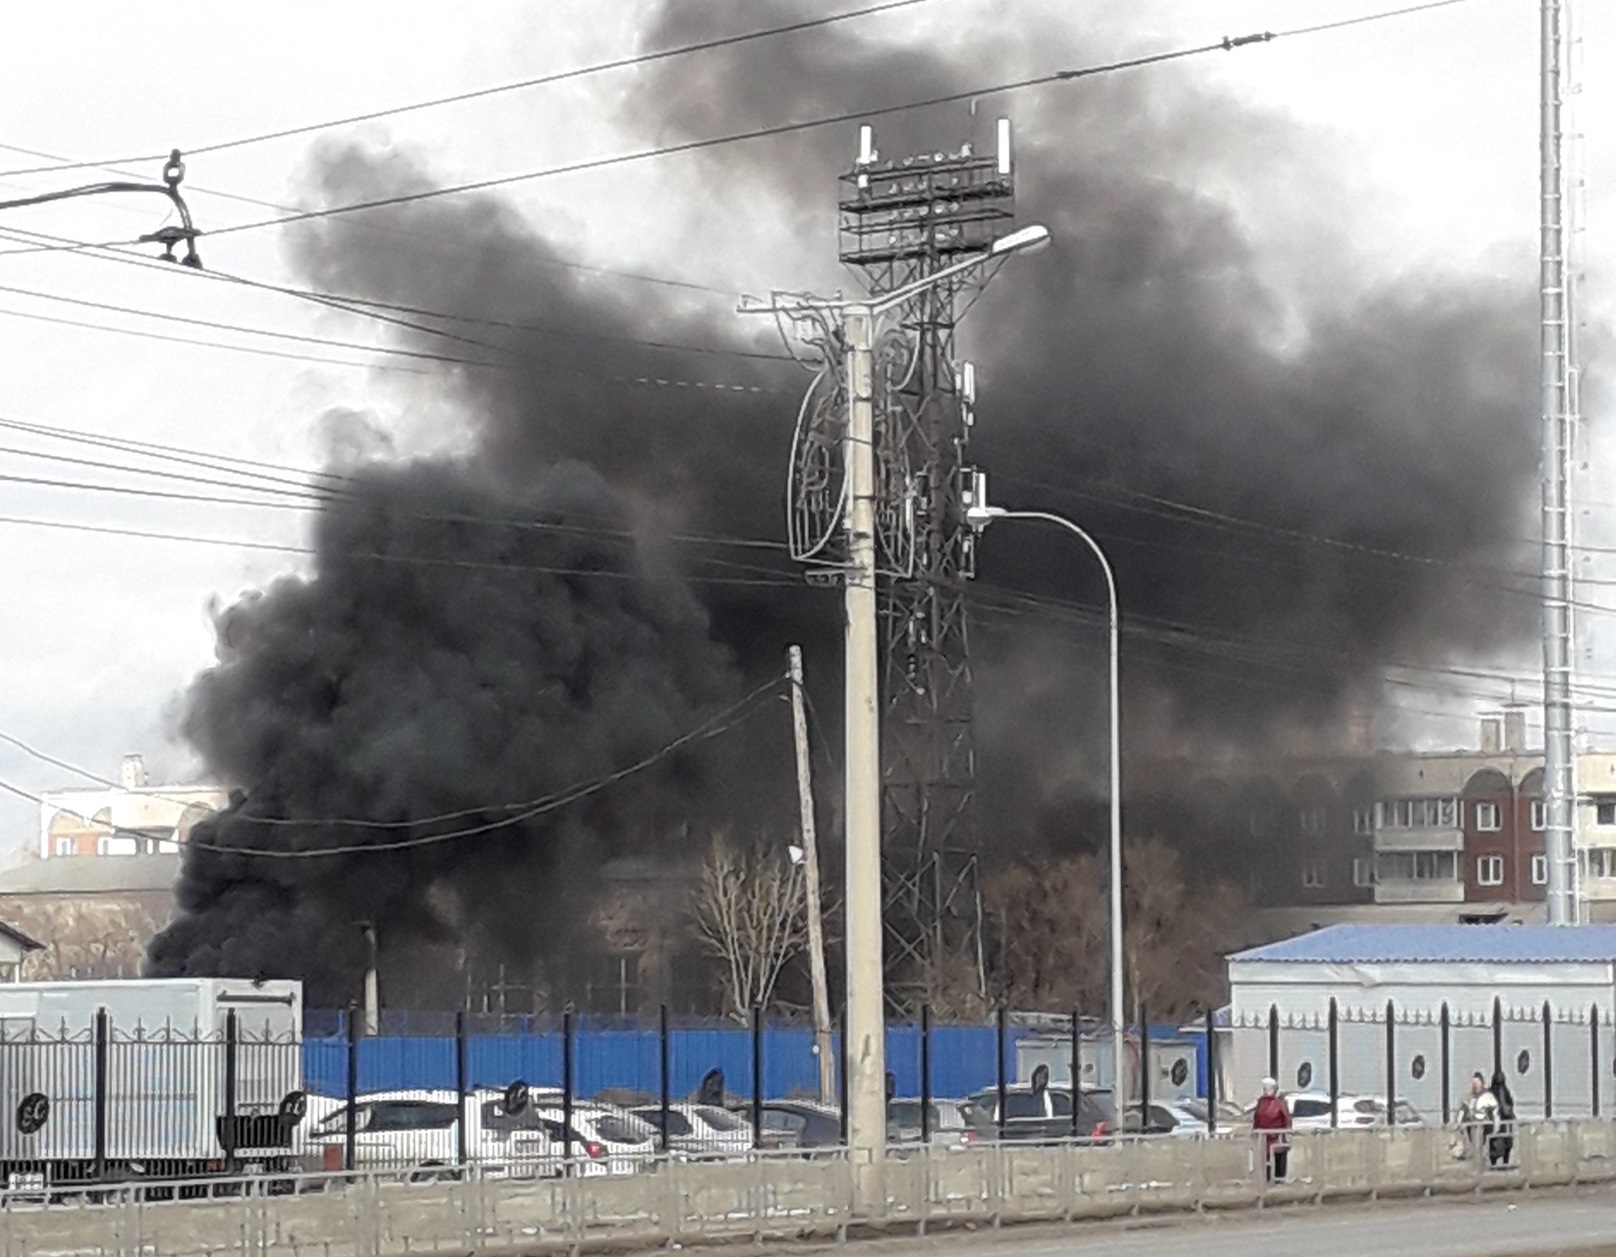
{"points": [[1272, 1122], [1502, 1140], [1478, 1118]]}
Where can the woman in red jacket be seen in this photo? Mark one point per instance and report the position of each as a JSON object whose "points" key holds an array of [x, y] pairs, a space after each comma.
{"points": [[1273, 1120]]}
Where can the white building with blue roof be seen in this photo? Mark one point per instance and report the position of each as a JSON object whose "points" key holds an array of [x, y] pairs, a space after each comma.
{"points": [[1477, 997]]}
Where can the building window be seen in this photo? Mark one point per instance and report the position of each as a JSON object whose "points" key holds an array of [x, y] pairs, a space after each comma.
{"points": [[1312, 820], [1313, 874], [103, 845], [1539, 815], [64, 846], [1363, 871], [1417, 866], [1605, 811], [1487, 817], [1418, 813], [1363, 820], [1599, 862], [1490, 870], [1540, 870]]}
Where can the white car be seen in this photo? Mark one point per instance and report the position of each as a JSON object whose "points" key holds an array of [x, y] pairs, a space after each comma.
{"points": [[699, 1130], [1310, 1110], [605, 1139], [418, 1131]]}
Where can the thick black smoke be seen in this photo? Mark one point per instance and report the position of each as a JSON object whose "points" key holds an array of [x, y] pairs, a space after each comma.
{"points": [[460, 652], [1301, 479]]}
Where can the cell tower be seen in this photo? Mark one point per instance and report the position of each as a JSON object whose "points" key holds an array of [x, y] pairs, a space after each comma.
{"points": [[901, 222]]}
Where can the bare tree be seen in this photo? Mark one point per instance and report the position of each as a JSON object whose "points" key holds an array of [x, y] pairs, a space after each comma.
{"points": [[749, 913], [1049, 925]]}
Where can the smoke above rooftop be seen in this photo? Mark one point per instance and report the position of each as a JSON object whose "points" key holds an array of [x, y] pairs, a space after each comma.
{"points": [[1302, 476]]}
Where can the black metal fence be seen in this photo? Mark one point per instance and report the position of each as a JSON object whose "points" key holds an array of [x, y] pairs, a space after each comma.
{"points": [[111, 1100], [1555, 1061]]}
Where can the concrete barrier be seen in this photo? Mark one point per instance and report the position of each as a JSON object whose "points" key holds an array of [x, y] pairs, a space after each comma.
{"points": [[772, 1197]]}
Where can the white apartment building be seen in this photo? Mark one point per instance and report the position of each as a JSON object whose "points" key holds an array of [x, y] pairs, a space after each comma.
{"points": [[132, 818]]}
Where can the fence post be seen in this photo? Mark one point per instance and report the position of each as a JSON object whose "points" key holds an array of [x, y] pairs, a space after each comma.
{"points": [[232, 1048], [1211, 1075], [1077, 1067], [757, 1075], [1548, 1061], [1593, 1055], [351, 1120], [566, 1091], [103, 1034], [662, 1070], [925, 1075], [460, 1087], [1273, 1042], [1391, 1064], [1447, 1066], [1144, 1069], [998, 1055], [841, 1071], [1498, 1034], [1335, 1062]]}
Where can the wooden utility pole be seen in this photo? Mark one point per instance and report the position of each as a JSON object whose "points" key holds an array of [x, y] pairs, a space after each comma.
{"points": [[810, 868]]}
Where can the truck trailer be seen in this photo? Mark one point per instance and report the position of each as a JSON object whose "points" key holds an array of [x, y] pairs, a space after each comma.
{"points": [[165, 1078]]}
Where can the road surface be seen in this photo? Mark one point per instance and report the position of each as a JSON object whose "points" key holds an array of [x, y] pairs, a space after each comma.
{"points": [[1558, 1224]]}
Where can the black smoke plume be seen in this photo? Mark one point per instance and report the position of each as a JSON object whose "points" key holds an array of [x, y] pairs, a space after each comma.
{"points": [[1302, 476]]}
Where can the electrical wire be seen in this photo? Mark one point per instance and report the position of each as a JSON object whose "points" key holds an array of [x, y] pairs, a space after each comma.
{"points": [[715, 725], [619, 63], [340, 487], [789, 128], [240, 543], [719, 723]]}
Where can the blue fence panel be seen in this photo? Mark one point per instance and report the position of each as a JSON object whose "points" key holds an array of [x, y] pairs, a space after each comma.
{"points": [[963, 1060]]}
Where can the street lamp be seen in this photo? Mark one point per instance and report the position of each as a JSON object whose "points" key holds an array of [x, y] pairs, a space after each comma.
{"points": [[864, 1027], [979, 515]]}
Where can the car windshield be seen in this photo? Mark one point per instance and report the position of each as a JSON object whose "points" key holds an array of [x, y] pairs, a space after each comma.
{"points": [[411, 1115], [624, 1128], [1310, 1108], [1024, 1104], [721, 1119]]}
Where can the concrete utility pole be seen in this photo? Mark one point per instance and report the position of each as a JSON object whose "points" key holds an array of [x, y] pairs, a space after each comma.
{"points": [[849, 345], [1559, 788], [865, 1025], [810, 869]]}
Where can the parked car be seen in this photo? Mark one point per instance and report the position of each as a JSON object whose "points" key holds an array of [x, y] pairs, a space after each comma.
{"points": [[700, 1130], [1310, 1110], [795, 1124], [1044, 1115], [417, 1131], [946, 1124], [605, 1139]]}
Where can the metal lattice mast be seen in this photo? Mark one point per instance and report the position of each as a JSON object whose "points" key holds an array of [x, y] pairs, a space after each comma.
{"points": [[1558, 761], [901, 222]]}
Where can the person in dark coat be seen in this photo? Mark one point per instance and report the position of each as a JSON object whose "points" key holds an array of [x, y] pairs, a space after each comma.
{"points": [[1272, 1122], [1502, 1142]]}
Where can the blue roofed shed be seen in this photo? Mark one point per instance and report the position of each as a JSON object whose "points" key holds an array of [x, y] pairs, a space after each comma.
{"points": [[1493, 981]]}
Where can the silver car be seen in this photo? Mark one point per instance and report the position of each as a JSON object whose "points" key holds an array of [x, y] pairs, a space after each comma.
{"points": [[700, 1130]]}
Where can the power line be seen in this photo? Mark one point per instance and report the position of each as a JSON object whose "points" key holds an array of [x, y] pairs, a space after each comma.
{"points": [[788, 128], [560, 76], [379, 557], [341, 487]]}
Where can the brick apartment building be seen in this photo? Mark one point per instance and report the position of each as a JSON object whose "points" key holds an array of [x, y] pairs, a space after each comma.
{"points": [[1448, 835]]}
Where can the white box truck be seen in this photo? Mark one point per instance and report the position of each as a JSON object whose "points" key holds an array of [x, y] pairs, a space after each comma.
{"points": [[148, 1078]]}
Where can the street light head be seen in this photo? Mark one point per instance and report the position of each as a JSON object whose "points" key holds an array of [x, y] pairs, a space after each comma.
{"points": [[1022, 240]]}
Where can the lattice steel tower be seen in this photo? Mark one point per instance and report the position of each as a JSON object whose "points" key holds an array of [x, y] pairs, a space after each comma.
{"points": [[899, 223]]}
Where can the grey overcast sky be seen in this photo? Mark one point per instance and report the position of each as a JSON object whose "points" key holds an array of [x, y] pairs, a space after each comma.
{"points": [[1434, 114]]}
